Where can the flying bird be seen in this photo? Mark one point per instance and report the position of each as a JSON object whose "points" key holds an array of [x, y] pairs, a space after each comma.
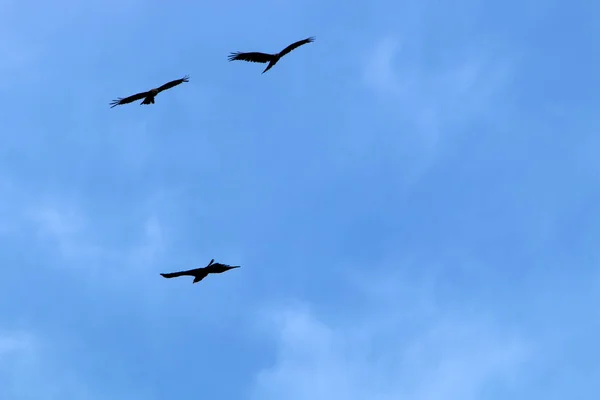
{"points": [[270, 58], [201, 273], [150, 94]]}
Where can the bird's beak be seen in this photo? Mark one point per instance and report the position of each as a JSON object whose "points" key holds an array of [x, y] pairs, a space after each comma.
{"points": [[234, 266]]}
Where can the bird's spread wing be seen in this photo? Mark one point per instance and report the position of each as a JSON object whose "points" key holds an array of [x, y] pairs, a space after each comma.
{"points": [[251, 57], [296, 45], [191, 272], [176, 82], [127, 100]]}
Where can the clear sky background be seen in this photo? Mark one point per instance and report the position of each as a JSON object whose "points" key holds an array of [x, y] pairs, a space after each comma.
{"points": [[414, 199]]}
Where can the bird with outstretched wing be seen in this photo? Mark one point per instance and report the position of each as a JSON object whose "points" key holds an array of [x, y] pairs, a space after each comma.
{"points": [[272, 59], [201, 273], [150, 94]]}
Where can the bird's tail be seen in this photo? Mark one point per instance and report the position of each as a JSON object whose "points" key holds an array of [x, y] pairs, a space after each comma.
{"points": [[148, 100], [271, 64]]}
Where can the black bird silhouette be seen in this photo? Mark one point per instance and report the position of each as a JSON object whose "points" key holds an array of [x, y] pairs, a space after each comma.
{"points": [[201, 273], [150, 94], [270, 58]]}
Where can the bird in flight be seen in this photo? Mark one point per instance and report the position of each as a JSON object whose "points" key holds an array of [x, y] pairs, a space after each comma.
{"points": [[150, 94], [270, 58], [201, 273]]}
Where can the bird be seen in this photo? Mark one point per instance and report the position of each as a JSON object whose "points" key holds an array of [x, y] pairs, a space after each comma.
{"points": [[201, 273], [270, 58], [150, 94]]}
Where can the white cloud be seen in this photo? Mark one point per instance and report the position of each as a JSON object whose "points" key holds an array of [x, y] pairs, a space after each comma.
{"points": [[14, 342], [26, 25], [6, 213], [66, 227], [22, 364], [427, 102], [30, 370], [18, 52], [15, 56], [380, 71], [150, 247], [389, 355], [453, 90]]}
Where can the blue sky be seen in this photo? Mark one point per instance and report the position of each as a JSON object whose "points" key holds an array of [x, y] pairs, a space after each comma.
{"points": [[413, 198]]}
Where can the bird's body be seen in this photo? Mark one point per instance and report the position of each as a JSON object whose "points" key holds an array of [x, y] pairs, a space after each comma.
{"points": [[150, 94], [201, 273], [272, 59]]}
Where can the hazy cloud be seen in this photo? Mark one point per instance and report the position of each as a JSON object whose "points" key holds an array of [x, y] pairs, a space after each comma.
{"points": [[390, 356], [30, 369]]}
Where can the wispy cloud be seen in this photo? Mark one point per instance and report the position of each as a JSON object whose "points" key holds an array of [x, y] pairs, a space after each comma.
{"points": [[384, 134], [447, 357], [403, 341], [459, 86], [66, 229], [151, 245], [29, 369], [12, 342], [429, 101]]}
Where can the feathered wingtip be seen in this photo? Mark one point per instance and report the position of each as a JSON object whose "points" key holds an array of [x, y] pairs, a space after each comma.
{"points": [[185, 78], [116, 102], [233, 56]]}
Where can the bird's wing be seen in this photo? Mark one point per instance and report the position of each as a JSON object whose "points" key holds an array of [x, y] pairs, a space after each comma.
{"points": [[129, 99], [191, 272], [176, 82], [295, 45], [220, 265], [251, 57], [200, 276]]}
